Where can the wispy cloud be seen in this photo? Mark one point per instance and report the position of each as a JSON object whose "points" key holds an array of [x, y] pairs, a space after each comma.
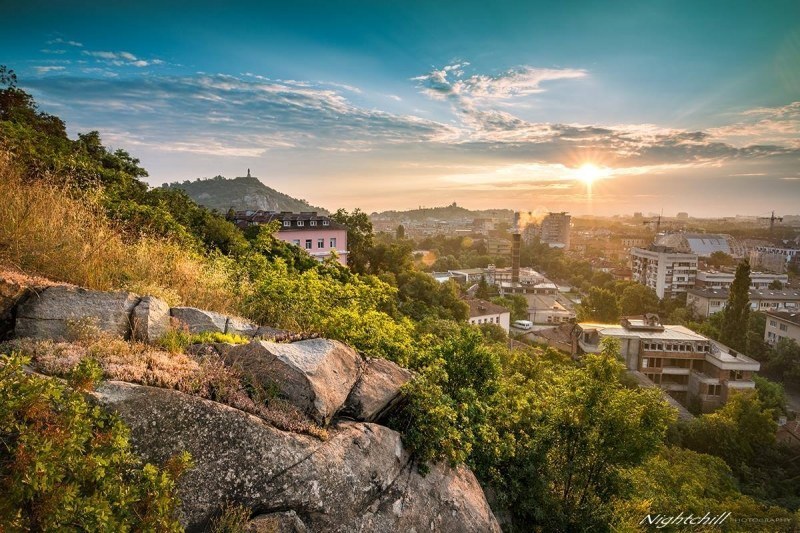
{"points": [[60, 40], [121, 58], [48, 68]]}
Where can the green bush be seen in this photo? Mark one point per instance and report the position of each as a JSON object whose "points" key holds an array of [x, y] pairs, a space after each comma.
{"points": [[65, 465]]}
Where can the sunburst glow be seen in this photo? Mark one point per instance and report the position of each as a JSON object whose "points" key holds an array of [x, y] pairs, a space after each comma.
{"points": [[589, 173]]}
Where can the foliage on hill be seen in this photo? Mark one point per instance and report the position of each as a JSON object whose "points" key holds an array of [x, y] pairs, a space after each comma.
{"points": [[67, 466], [447, 212], [242, 193]]}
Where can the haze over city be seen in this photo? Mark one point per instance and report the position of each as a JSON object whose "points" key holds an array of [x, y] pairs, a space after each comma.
{"points": [[613, 108]]}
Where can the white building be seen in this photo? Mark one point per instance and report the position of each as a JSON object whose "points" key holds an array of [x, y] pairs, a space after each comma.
{"points": [[773, 258], [702, 244], [712, 279], [706, 302], [549, 309], [555, 230], [685, 364], [782, 325], [668, 273], [483, 312]]}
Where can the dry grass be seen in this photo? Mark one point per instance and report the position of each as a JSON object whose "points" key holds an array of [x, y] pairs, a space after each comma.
{"points": [[204, 376], [47, 232]]}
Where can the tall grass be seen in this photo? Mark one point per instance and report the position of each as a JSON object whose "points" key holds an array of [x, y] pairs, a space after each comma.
{"points": [[47, 231]]}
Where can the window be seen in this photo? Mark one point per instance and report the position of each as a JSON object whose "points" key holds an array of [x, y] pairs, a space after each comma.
{"points": [[300, 223], [312, 223], [644, 362], [333, 242], [783, 327], [320, 243], [287, 223], [308, 244], [296, 242], [326, 223]]}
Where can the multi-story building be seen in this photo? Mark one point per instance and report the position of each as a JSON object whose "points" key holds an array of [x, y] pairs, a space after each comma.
{"points": [[555, 230], [483, 312], [706, 302], [668, 273], [782, 325], [713, 279], [773, 258], [318, 235], [688, 366]]}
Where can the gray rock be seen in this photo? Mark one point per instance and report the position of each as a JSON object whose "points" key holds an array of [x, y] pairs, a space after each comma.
{"points": [[377, 390], [315, 375], [240, 326], [57, 312], [198, 320], [359, 479], [151, 319], [287, 522], [11, 294]]}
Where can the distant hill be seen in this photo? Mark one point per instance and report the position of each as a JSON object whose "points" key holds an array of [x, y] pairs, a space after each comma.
{"points": [[449, 212], [240, 193]]}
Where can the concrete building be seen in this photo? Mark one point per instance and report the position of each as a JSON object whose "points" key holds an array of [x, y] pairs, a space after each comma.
{"points": [[691, 368], [554, 230], [706, 302], [774, 259], [316, 234], [782, 325], [668, 273], [713, 279], [549, 309], [483, 312]]}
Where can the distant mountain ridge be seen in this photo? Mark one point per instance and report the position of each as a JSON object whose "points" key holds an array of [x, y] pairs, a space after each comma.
{"points": [[449, 212], [241, 193]]}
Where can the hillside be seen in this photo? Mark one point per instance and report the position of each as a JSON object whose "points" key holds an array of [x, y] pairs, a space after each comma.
{"points": [[449, 212], [245, 192]]}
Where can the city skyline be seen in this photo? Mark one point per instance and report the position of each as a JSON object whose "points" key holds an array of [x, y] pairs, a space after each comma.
{"points": [[598, 109]]}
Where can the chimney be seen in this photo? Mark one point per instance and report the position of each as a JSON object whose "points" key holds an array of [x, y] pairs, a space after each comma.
{"points": [[515, 238]]}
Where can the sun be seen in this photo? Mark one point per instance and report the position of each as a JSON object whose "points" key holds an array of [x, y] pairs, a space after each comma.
{"points": [[589, 173]]}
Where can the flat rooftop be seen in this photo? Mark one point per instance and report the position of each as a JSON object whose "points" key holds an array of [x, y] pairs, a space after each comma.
{"points": [[669, 333]]}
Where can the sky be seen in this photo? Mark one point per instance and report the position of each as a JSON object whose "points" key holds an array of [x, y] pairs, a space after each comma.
{"points": [[590, 107]]}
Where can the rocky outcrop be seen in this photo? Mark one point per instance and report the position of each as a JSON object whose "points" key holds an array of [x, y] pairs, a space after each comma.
{"points": [[240, 326], [57, 312], [287, 522], [376, 391], [12, 292], [360, 479], [199, 320], [315, 375], [151, 319]]}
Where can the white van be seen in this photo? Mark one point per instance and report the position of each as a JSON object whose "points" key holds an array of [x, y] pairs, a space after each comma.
{"points": [[522, 324]]}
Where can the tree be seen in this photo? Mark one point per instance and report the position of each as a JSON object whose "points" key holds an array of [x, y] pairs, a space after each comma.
{"points": [[736, 315], [400, 233], [483, 292], [775, 285], [638, 299], [359, 238], [784, 360], [515, 303], [720, 259], [600, 305]]}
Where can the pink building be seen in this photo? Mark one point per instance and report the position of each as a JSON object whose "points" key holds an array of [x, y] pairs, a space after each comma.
{"points": [[316, 234]]}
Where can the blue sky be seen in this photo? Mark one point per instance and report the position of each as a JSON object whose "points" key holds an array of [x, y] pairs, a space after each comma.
{"points": [[681, 106]]}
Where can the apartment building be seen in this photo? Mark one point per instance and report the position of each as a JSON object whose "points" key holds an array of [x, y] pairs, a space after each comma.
{"points": [[690, 367], [773, 258], [713, 279], [554, 230], [483, 312], [782, 325], [706, 302], [668, 273], [318, 235]]}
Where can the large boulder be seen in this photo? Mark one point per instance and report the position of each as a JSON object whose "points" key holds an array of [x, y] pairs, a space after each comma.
{"points": [[377, 390], [199, 320], [315, 375], [359, 479], [59, 313], [12, 292], [151, 319], [240, 326], [286, 522]]}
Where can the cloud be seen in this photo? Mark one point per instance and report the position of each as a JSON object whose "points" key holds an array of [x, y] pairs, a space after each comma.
{"points": [[59, 40], [48, 68], [121, 58], [776, 125], [450, 82]]}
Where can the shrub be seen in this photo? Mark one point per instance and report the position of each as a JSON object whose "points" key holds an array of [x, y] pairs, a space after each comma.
{"points": [[67, 465]]}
